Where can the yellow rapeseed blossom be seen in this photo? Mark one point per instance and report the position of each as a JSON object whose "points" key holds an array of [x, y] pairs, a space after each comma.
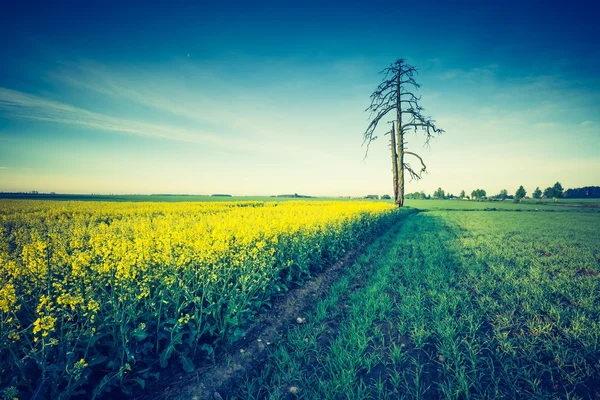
{"points": [[67, 300], [44, 324], [80, 272], [8, 298]]}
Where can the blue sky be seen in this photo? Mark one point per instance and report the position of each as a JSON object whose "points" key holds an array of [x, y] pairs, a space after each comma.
{"points": [[268, 97]]}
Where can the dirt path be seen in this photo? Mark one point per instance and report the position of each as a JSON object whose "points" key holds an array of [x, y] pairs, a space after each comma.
{"points": [[211, 381]]}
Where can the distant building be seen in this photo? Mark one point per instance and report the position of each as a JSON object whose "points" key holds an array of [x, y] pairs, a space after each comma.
{"points": [[372, 196]]}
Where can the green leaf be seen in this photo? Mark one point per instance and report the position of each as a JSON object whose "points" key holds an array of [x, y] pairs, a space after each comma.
{"points": [[96, 360], [55, 367], [188, 365], [207, 348], [96, 337], [147, 347], [177, 339], [165, 355], [139, 335], [140, 382], [238, 333]]}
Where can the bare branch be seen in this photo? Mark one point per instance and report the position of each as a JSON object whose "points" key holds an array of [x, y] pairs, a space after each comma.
{"points": [[423, 166], [414, 96], [384, 100], [369, 132], [410, 81], [413, 175], [415, 112], [426, 124]]}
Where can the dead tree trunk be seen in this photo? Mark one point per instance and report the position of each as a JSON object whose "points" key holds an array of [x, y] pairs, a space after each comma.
{"points": [[399, 143], [394, 162]]}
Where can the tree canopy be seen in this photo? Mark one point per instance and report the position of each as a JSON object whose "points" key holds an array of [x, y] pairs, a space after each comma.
{"points": [[439, 194], [520, 193], [478, 194]]}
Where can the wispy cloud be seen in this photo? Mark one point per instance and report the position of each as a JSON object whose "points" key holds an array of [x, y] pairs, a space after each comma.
{"points": [[190, 94], [94, 77], [26, 106]]}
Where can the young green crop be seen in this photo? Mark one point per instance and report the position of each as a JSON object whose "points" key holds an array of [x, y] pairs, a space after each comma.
{"points": [[456, 304]]}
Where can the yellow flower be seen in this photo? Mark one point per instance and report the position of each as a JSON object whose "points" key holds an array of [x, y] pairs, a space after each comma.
{"points": [[80, 364], [44, 324], [8, 298], [93, 306], [68, 300]]}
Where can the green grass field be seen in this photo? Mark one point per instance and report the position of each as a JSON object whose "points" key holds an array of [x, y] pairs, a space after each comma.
{"points": [[454, 304]]}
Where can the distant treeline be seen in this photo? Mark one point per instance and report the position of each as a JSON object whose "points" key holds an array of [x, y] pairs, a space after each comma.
{"points": [[551, 192], [295, 195], [588, 192]]}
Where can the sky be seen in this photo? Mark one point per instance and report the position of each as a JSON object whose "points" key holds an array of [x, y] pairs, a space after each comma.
{"points": [[269, 97]]}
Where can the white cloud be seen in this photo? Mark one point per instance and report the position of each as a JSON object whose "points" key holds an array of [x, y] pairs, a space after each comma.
{"points": [[196, 94], [26, 106]]}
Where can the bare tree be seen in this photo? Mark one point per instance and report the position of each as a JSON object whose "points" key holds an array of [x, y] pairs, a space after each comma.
{"points": [[394, 161], [395, 93]]}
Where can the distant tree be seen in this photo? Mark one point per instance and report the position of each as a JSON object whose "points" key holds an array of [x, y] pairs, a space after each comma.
{"points": [[478, 194], [537, 193], [393, 95], [549, 192], [439, 194], [416, 196], [462, 194], [520, 193], [557, 190], [503, 194]]}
